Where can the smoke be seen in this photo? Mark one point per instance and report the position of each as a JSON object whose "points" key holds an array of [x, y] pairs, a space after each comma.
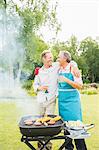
{"points": [[11, 49], [11, 63]]}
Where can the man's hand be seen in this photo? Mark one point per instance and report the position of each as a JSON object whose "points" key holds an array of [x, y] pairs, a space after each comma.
{"points": [[43, 88], [75, 71]]}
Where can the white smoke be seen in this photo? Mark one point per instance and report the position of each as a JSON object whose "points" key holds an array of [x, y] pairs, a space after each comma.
{"points": [[11, 62], [11, 50]]}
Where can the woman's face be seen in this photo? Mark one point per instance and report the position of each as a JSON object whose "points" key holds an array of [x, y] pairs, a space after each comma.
{"points": [[61, 58]]}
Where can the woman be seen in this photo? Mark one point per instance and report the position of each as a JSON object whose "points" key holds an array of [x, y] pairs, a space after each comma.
{"points": [[69, 97]]}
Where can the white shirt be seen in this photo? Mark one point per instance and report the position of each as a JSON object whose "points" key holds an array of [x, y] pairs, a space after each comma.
{"points": [[47, 77]]}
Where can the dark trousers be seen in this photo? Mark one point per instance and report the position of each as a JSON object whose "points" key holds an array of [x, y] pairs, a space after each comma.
{"points": [[79, 143]]}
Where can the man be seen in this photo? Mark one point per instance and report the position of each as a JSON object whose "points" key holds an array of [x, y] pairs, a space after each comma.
{"points": [[45, 83]]}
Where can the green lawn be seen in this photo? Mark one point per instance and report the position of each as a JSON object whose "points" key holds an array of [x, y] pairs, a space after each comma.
{"points": [[10, 115]]}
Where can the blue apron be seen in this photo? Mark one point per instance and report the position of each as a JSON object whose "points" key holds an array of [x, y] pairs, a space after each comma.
{"points": [[69, 100]]}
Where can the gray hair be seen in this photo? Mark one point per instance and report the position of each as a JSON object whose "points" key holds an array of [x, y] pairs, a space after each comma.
{"points": [[43, 54], [67, 55]]}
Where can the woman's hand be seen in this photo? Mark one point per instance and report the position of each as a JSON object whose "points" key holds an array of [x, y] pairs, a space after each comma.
{"points": [[75, 71], [72, 83], [62, 79]]}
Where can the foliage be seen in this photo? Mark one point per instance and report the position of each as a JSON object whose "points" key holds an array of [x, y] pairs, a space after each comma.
{"points": [[2, 3], [27, 84], [85, 53], [57, 47], [71, 45], [32, 53], [89, 91], [31, 92], [89, 59], [34, 14]]}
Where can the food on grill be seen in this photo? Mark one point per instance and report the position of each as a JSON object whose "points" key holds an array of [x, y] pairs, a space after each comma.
{"points": [[51, 122], [77, 123], [46, 120], [37, 123], [28, 122], [39, 120], [45, 124], [56, 118], [42, 120]]}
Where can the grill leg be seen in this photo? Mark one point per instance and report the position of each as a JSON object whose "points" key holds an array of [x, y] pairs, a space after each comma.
{"points": [[67, 140], [29, 145], [44, 144]]}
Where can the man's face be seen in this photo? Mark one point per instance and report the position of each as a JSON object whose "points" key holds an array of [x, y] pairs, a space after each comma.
{"points": [[61, 58], [48, 59]]}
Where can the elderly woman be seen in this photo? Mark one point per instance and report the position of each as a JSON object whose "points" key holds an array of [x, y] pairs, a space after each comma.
{"points": [[69, 97]]}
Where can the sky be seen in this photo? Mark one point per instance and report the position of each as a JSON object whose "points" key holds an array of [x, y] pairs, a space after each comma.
{"points": [[77, 17]]}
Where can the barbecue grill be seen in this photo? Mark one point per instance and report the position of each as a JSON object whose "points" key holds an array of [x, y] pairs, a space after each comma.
{"points": [[42, 130], [46, 133]]}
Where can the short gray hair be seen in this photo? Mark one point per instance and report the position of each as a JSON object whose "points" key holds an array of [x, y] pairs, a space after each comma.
{"points": [[67, 55], [43, 54]]}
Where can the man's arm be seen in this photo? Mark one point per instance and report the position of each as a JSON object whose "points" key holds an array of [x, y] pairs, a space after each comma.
{"points": [[37, 86], [74, 69], [36, 83]]}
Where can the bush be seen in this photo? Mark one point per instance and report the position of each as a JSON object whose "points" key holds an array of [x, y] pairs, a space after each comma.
{"points": [[89, 91], [27, 84], [31, 92], [86, 81]]}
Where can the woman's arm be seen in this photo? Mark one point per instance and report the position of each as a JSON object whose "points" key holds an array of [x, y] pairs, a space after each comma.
{"points": [[72, 83]]}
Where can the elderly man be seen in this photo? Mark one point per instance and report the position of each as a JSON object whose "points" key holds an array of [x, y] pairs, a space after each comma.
{"points": [[46, 83]]}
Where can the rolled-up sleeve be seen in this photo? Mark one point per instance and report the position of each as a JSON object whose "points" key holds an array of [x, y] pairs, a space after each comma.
{"points": [[78, 80], [36, 83]]}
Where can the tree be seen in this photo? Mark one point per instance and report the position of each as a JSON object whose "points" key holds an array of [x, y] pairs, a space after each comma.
{"points": [[34, 14], [71, 45], [90, 57]]}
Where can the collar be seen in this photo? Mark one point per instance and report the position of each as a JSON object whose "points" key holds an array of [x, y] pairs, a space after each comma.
{"points": [[46, 68], [67, 67]]}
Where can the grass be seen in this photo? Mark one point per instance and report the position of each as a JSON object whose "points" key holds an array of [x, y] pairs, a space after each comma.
{"points": [[90, 105], [10, 135]]}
